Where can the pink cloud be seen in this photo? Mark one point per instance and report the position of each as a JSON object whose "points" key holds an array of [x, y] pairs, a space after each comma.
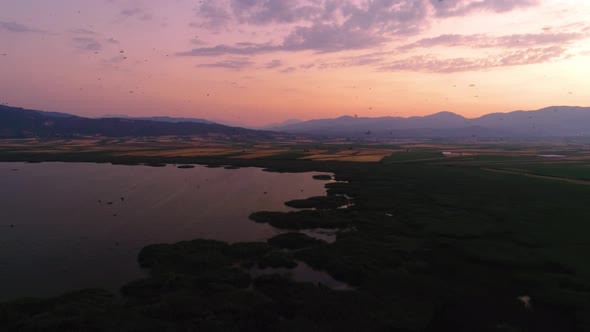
{"points": [[232, 63], [487, 41], [331, 26], [430, 63], [448, 8]]}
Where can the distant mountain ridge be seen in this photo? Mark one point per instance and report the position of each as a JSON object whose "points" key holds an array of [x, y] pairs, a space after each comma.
{"points": [[272, 126], [546, 122], [159, 119], [555, 121], [21, 123]]}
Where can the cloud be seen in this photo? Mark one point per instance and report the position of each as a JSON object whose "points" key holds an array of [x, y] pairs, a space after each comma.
{"points": [[389, 14], [273, 64], [82, 31], [212, 15], [233, 64], [288, 70], [274, 11], [113, 41], [330, 26], [387, 17], [18, 28], [325, 38], [215, 15], [136, 12], [320, 38], [367, 59], [87, 44], [430, 63], [115, 62], [450, 8], [131, 11], [486, 41], [325, 26], [198, 42], [235, 84], [237, 49]]}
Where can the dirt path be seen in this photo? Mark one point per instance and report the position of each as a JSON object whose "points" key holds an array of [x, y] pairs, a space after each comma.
{"points": [[547, 177]]}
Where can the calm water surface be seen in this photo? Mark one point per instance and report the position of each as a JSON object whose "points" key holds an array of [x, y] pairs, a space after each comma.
{"points": [[65, 226]]}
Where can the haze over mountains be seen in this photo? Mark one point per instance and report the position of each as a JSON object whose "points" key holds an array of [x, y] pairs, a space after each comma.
{"points": [[555, 121]]}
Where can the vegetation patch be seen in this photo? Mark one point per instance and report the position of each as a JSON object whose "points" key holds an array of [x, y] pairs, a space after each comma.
{"points": [[294, 241], [323, 177], [319, 202], [307, 219], [277, 259]]}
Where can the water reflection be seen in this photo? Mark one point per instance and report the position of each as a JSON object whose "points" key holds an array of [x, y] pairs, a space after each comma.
{"points": [[328, 235], [303, 273], [75, 225]]}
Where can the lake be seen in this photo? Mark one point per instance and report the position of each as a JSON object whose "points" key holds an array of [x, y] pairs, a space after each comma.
{"points": [[67, 226]]}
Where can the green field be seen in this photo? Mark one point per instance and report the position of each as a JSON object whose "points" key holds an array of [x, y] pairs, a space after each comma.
{"points": [[580, 171]]}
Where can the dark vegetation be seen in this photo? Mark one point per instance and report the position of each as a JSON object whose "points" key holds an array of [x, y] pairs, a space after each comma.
{"points": [[412, 156], [294, 240], [580, 171], [319, 202], [186, 166], [323, 177], [426, 247], [307, 219]]}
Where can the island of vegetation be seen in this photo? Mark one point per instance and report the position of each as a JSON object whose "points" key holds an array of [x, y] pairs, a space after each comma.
{"points": [[323, 177]]}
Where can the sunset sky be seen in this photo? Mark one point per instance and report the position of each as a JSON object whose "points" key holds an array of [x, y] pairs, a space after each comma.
{"points": [[254, 62]]}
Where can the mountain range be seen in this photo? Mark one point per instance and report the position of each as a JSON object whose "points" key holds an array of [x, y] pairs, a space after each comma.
{"points": [[159, 119], [21, 123], [555, 121]]}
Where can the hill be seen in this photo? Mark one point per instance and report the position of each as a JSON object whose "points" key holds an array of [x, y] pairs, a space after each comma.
{"points": [[159, 119], [22, 123], [555, 121]]}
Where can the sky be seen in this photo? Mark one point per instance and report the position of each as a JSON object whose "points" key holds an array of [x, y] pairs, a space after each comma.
{"points": [[256, 62]]}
